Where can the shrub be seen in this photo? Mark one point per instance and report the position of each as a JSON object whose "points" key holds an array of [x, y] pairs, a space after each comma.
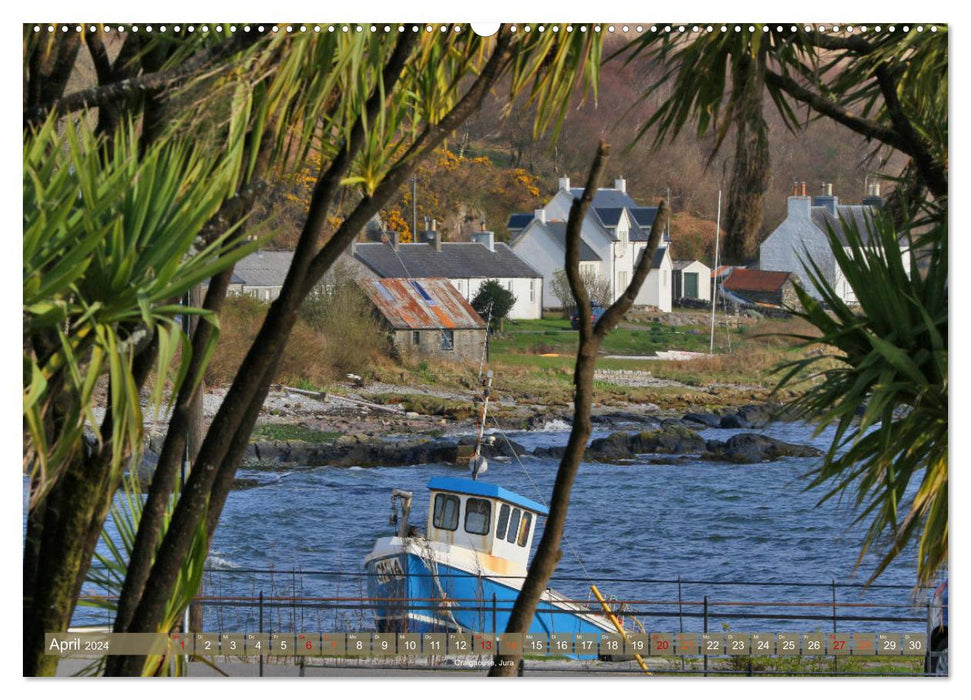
{"points": [[501, 300]]}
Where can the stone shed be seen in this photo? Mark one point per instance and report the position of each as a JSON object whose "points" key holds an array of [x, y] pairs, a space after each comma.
{"points": [[427, 316]]}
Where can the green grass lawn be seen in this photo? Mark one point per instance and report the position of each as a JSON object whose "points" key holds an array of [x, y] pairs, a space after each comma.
{"points": [[547, 336]]}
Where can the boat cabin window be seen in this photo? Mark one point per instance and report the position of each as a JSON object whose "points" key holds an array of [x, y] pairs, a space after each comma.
{"points": [[446, 511], [478, 516], [502, 522], [524, 529], [514, 525]]}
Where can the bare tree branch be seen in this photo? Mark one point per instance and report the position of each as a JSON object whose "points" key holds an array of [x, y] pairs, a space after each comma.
{"points": [[117, 91]]}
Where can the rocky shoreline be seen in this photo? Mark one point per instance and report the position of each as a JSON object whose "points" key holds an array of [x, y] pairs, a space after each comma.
{"points": [[672, 437]]}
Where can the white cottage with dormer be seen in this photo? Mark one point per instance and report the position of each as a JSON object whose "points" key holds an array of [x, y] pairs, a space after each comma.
{"points": [[614, 233], [802, 236]]}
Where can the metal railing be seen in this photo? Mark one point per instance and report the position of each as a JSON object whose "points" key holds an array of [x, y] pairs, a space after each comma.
{"points": [[295, 601]]}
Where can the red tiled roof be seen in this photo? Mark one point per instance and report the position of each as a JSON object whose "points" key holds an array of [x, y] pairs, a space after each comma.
{"points": [[755, 280]]}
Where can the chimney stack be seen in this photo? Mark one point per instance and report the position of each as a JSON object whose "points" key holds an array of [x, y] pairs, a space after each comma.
{"points": [[873, 198], [620, 184], [826, 198], [540, 214], [486, 238], [564, 183]]}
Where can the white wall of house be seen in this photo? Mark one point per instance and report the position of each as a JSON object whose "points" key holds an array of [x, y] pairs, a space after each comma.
{"points": [[528, 293], [266, 294], [787, 246], [656, 290], [544, 255]]}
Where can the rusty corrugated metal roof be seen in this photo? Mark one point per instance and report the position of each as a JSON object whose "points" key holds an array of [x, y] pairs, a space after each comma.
{"points": [[421, 304], [742, 280]]}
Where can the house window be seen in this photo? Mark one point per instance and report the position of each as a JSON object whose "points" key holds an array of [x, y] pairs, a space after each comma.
{"points": [[621, 282], [448, 341], [478, 516], [524, 526], [502, 522], [446, 512], [509, 285], [532, 290], [416, 337]]}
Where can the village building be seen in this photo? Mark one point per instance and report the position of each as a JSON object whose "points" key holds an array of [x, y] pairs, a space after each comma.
{"points": [[466, 265], [613, 235], [803, 235], [690, 279], [427, 317], [761, 287], [261, 274]]}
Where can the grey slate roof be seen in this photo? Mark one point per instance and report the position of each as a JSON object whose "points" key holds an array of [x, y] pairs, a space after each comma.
{"points": [[681, 264], [609, 216], [644, 216], [264, 268], [518, 221], [658, 256], [557, 231], [455, 260], [858, 214], [607, 198]]}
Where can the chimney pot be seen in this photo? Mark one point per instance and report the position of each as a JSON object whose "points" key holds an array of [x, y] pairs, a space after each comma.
{"points": [[437, 239], [803, 185], [434, 224], [620, 184], [826, 189]]}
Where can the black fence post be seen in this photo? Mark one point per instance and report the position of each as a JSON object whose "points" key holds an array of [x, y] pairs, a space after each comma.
{"points": [[261, 631], [704, 656], [836, 662]]}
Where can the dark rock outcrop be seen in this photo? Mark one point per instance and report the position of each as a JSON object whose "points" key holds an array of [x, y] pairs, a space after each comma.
{"points": [[750, 448], [708, 419]]}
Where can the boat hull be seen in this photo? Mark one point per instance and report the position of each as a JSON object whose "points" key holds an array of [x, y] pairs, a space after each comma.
{"points": [[417, 588]]}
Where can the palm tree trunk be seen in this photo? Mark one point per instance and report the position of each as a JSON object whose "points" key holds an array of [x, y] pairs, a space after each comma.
{"points": [[750, 170]]}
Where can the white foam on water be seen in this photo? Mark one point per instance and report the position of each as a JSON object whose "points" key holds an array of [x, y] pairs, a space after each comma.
{"points": [[554, 425], [219, 563]]}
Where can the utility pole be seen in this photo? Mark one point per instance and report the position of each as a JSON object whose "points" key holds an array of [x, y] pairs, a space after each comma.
{"points": [[414, 209]]}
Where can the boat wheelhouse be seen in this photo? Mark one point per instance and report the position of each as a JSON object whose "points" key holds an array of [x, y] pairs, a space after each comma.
{"points": [[465, 572]]}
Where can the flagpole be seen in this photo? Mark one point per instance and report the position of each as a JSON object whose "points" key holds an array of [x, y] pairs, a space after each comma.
{"points": [[714, 286]]}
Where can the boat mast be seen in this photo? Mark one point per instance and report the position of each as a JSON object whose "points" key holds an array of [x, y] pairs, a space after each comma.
{"points": [[477, 462]]}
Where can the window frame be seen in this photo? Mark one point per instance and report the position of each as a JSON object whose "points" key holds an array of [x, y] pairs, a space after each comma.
{"points": [[488, 514], [502, 522], [525, 526], [514, 517], [438, 517], [448, 341]]}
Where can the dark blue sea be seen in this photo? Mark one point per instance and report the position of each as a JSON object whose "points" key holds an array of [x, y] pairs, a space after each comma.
{"points": [[735, 533]]}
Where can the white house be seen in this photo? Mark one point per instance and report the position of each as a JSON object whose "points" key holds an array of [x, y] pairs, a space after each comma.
{"points": [[614, 233], [466, 265], [691, 279], [803, 233], [261, 274]]}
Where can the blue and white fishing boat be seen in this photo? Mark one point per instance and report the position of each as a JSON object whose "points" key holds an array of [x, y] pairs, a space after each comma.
{"points": [[463, 573]]}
